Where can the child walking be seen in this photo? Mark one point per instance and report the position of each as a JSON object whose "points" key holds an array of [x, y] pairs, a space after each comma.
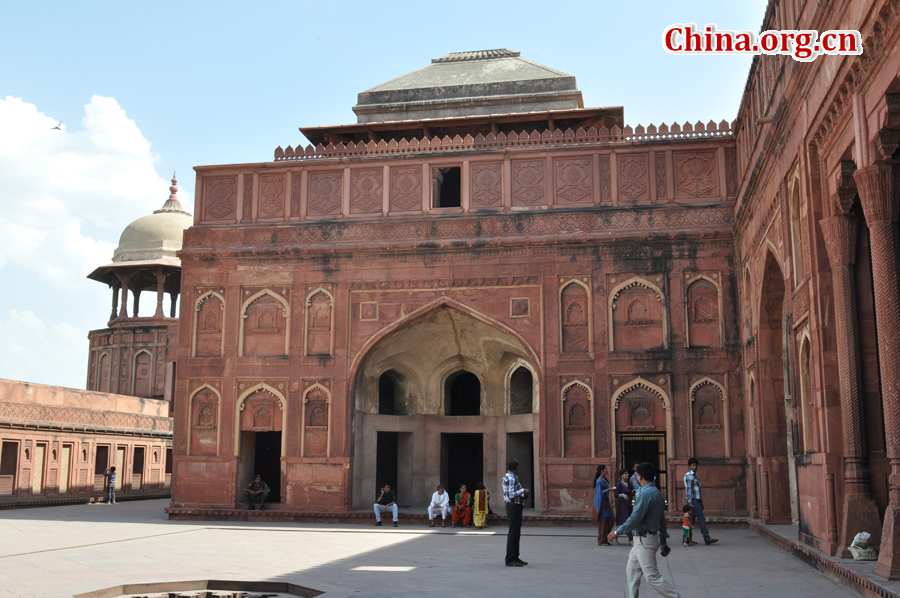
{"points": [[687, 525]]}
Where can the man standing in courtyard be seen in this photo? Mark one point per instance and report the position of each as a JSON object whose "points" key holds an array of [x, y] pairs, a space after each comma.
{"points": [[648, 525], [514, 497], [110, 475], [387, 501], [692, 497]]}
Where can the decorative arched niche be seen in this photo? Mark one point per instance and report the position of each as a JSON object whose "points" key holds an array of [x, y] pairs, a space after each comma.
{"points": [[703, 312], [260, 408], [637, 316], [316, 421], [796, 231], [807, 429], [209, 314], [576, 321], [142, 374], [319, 322], [577, 419], [265, 324], [103, 372], [522, 388], [642, 406], [710, 433], [203, 429]]}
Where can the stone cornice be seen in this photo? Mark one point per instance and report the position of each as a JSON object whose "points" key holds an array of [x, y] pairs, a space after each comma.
{"points": [[423, 233], [36, 414]]}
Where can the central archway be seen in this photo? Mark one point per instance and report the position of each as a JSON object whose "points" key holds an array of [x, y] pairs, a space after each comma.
{"points": [[428, 393]]}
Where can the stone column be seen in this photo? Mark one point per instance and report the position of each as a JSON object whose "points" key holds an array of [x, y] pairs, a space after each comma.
{"points": [[174, 296], [877, 193], [115, 301], [123, 311], [160, 284], [137, 301], [860, 513]]}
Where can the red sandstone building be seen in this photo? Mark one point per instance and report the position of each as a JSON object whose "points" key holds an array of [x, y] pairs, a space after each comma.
{"points": [[482, 268], [57, 442]]}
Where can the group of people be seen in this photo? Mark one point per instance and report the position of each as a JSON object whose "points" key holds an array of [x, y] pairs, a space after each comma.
{"points": [[645, 524], [613, 503], [468, 510]]}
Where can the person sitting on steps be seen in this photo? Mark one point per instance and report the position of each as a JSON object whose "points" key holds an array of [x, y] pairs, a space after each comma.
{"points": [[256, 491]]}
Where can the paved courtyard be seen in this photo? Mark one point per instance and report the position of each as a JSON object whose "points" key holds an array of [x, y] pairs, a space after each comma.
{"points": [[61, 551]]}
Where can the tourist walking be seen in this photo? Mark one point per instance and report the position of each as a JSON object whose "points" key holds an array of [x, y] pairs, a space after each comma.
{"points": [[623, 493], [602, 508], [514, 498], [648, 524], [692, 497], [110, 475]]}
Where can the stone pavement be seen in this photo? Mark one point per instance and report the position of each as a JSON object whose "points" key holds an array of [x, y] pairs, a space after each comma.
{"points": [[66, 550]]}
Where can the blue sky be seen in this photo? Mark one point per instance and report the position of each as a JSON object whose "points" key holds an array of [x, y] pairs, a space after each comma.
{"points": [[147, 88]]}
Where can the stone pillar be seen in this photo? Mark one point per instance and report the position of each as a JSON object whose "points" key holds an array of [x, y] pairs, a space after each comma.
{"points": [[115, 301], [174, 296], [877, 193], [160, 284], [137, 301], [860, 513], [123, 311]]}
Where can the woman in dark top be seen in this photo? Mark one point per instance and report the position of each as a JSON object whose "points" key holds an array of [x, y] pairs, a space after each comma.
{"points": [[623, 493]]}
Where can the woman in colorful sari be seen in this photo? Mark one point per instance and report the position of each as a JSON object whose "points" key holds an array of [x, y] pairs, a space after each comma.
{"points": [[480, 510], [623, 493], [462, 513], [602, 510]]}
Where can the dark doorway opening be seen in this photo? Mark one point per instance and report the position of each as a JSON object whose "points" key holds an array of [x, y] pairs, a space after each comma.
{"points": [[447, 187], [463, 392], [267, 462], [520, 446], [386, 394], [9, 462], [646, 448], [137, 469], [101, 460], [386, 462], [462, 461], [169, 461], [520, 392]]}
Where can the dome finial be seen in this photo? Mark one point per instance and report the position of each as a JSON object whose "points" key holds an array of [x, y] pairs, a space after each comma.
{"points": [[172, 204]]}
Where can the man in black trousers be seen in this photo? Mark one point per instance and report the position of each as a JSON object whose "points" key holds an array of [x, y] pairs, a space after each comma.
{"points": [[514, 497]]}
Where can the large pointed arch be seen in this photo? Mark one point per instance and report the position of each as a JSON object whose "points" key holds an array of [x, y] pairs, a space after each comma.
{"points": [[428, 308], [640, 382], [286, 313], [239, 407]]}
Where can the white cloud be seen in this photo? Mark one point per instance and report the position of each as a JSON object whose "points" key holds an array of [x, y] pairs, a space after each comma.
{"points": [[66, 195], [32, 351]]}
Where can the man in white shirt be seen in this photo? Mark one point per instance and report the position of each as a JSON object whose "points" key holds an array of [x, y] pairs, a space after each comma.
{"points": [[440, 501]]}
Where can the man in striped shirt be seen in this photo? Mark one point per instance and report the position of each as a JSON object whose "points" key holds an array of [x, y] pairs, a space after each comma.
{"points": [[514, 497], [692, 497]]}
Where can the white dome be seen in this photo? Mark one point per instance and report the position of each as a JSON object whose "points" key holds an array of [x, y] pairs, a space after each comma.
{"points": [[155, 236]]}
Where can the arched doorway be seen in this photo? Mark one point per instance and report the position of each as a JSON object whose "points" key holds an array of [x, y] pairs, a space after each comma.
{"points": [[451, 370], [779, 500], [463, 394]]}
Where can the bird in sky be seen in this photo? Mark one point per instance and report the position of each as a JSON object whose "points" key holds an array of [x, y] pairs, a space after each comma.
{"points": [[57, 127]]}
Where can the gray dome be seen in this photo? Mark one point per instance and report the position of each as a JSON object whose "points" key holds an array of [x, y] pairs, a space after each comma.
{"points": [[155, 236]]}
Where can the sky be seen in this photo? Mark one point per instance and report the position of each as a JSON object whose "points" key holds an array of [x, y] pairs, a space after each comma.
{"points": [[145, 89]]}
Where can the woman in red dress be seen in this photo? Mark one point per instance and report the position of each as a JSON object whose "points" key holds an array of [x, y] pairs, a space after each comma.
{"points": [[462, 513]]}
